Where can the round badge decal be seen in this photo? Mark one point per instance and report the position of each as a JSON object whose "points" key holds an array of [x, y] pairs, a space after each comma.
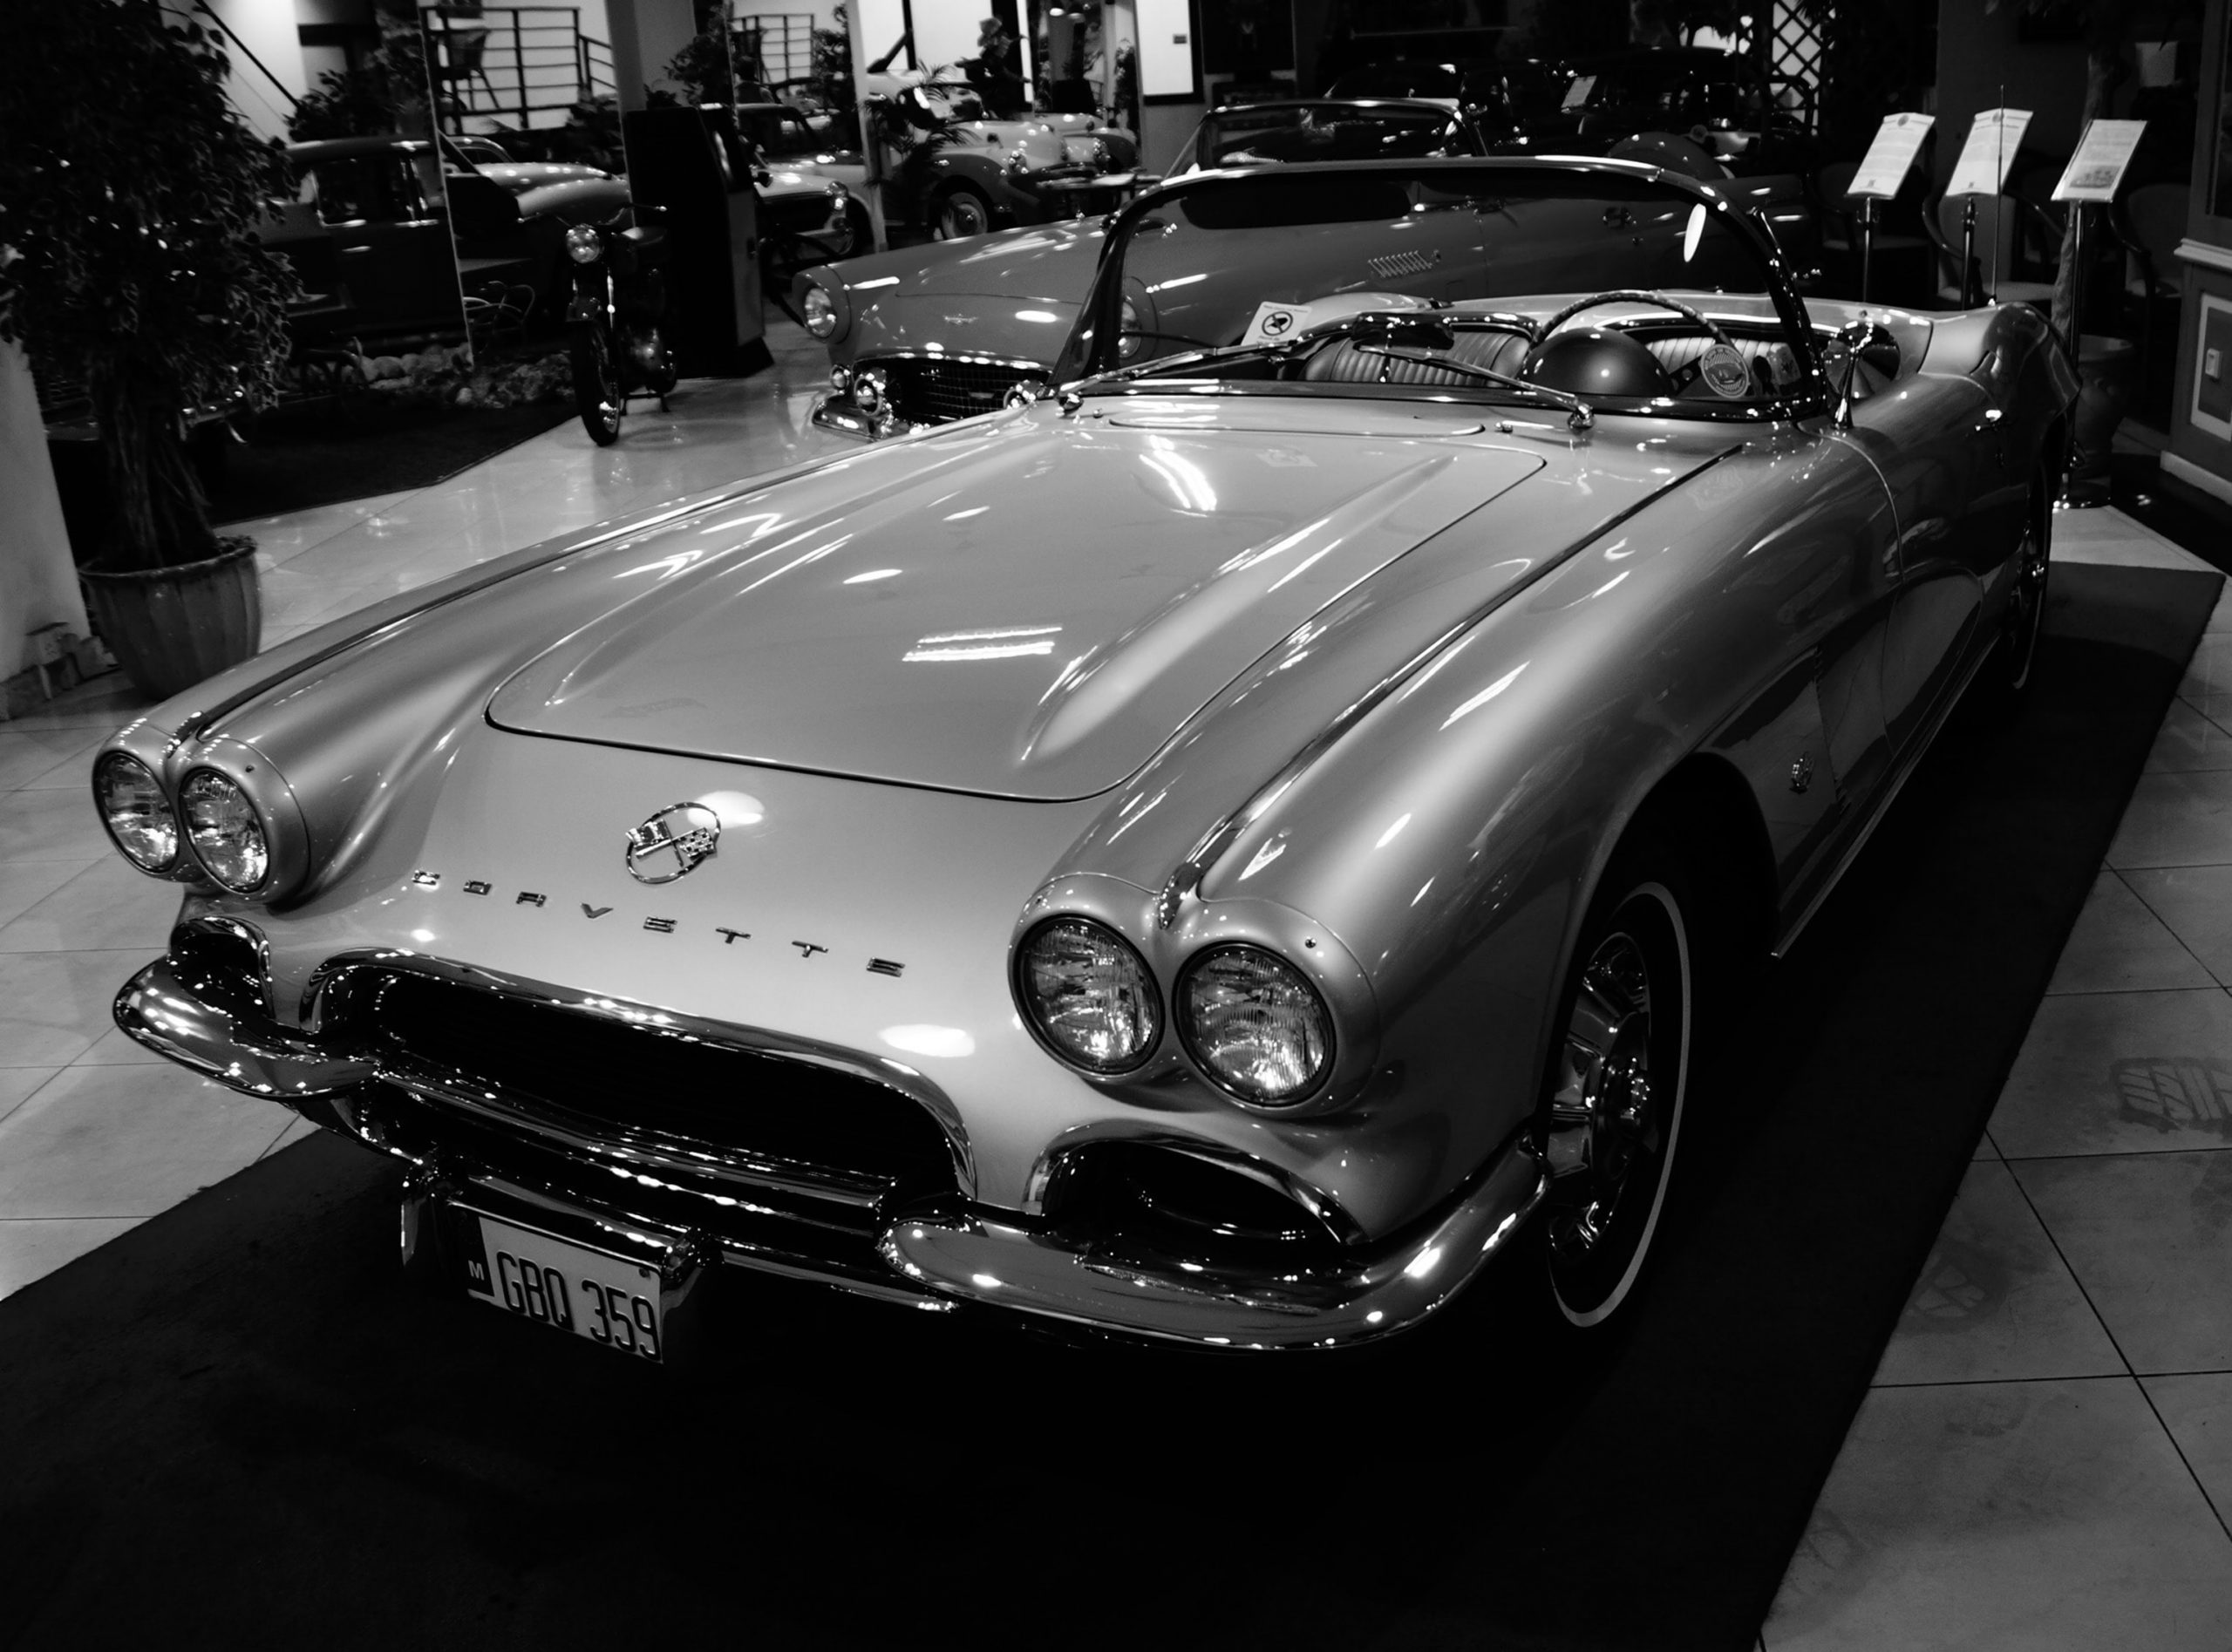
{"points": [[1726, 372], [672, 843]]}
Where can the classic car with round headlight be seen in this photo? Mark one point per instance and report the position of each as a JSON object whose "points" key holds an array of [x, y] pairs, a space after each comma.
{"points": [[925, 335], [1223, 852]]}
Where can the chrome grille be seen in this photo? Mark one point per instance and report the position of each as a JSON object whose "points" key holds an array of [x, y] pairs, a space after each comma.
{"points": [[925, 391], [659, 1096]]}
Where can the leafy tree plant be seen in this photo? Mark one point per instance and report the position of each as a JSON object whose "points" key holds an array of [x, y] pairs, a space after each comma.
{"points": [[129, 196]]}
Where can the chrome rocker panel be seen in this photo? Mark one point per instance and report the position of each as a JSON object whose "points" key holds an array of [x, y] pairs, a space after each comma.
{"points": [[939, 1254]]}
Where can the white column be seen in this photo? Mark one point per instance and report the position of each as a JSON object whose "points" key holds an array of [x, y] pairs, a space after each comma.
{"points": [[38, 581]]}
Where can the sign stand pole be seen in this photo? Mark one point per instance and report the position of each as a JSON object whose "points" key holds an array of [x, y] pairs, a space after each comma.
{"points": [[1866, 243], [2076, 285], [1969, 294]]}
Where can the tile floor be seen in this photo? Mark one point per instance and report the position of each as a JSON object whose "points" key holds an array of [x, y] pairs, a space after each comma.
{"points": [[2043, 1458]]}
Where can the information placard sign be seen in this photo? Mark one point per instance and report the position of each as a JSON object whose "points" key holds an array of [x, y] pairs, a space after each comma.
{"points": [[1985, 157], [2098, 167], [1891, 156]]}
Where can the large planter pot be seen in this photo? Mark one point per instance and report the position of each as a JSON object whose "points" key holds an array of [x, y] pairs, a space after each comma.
{"points": [[2106, 368], [169, 628]]}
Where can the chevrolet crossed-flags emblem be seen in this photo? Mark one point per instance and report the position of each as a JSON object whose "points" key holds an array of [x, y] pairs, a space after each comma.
{"points": [[672, 842]]}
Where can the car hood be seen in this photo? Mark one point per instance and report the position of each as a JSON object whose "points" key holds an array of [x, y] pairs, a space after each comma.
{"points": [[1045, 261], [1030, 616]]}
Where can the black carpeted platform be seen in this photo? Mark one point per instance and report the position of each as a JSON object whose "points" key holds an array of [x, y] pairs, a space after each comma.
{"points": [[233, 1425]]}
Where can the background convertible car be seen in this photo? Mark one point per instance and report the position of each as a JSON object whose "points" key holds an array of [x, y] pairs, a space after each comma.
{"points": [[925, 335], [1220, 854], [947, 330]]}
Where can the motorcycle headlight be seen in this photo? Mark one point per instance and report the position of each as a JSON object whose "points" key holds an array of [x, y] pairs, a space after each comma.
{"points": [[226, 833], [870, 390], [582, 245], [818, 310], [139, 819], [1088, 994], [1255, 1024]]}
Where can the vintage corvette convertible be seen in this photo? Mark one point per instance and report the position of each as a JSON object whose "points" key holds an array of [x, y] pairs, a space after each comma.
{"points": [[1223, 852]]}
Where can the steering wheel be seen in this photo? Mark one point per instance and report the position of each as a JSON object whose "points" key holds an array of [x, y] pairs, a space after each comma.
{"points": [[1632, 296]]}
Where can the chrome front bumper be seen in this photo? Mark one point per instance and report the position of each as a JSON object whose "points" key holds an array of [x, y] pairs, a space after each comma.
{"points": [[836, 413], [938, 1251]]}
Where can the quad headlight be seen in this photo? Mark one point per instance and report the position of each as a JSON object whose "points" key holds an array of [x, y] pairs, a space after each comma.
{"points": [[583, 245], [1088, 994], [226, 833], [1253, 1024], [139, 819], [818, 310]]}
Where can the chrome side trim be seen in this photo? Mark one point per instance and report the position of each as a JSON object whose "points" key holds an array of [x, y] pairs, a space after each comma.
{"points": [[984, 1256], [1885, 798]]}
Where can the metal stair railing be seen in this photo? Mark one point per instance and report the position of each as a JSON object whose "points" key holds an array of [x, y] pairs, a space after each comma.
{"points": [[511, 63]]}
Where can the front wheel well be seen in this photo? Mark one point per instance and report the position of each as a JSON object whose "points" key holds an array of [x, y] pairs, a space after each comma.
{"points": [[1703, 810]]}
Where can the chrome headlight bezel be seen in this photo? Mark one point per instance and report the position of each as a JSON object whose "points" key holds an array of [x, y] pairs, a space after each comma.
{"points": [[216, 787], [823, 315], [583, 244], [114, 763], [871, 390], [1145, 1041], [1274, 972]]}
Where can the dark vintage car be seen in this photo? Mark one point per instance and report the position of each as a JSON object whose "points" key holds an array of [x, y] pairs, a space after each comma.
{"points": [[1720, 102], [921, 335], [1225, 853], [382, 254]]}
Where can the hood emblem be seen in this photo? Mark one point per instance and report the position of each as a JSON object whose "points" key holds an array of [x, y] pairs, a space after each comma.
{"points": [[672, 843]]}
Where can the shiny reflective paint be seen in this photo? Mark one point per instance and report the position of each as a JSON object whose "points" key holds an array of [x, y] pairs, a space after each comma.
{"points": [[1376, 683]]}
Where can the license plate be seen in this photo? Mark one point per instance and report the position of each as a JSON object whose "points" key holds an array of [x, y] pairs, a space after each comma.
{"points": [[608, 1299]]}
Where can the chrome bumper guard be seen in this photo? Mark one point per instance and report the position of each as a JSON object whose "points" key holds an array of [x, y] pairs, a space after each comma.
{"points": [[833, 412], [937, 1253]]}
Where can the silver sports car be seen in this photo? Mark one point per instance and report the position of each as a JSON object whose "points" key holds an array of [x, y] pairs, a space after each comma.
{"points": [[1223, 852]]}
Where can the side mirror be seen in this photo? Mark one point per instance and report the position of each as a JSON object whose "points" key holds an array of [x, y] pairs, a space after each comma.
{"points": [[1860, 360]]}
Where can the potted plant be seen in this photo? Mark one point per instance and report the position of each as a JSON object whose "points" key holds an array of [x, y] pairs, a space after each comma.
{"points": [[129, 195]]}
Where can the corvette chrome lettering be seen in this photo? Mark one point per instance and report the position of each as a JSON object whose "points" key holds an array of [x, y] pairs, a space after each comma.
{"points": [[807, 950]]}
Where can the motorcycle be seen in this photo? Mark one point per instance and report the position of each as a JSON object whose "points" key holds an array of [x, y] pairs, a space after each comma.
{"points": [[619, 297]]}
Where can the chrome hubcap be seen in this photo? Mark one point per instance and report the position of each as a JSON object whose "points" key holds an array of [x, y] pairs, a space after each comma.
{"points": [[1604, 1123]]}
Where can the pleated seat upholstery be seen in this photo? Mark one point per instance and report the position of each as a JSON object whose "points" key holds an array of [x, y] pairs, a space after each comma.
{"points": [[1344, 363]]}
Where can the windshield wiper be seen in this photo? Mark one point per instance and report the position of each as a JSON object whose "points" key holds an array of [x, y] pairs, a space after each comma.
{"points": [[1579, 415]]}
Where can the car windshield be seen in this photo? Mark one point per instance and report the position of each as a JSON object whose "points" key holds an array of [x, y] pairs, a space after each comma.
{"points": [[1282, 263], [779, 134], [1400, 79], [1321, 132], [1673, 86]]}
